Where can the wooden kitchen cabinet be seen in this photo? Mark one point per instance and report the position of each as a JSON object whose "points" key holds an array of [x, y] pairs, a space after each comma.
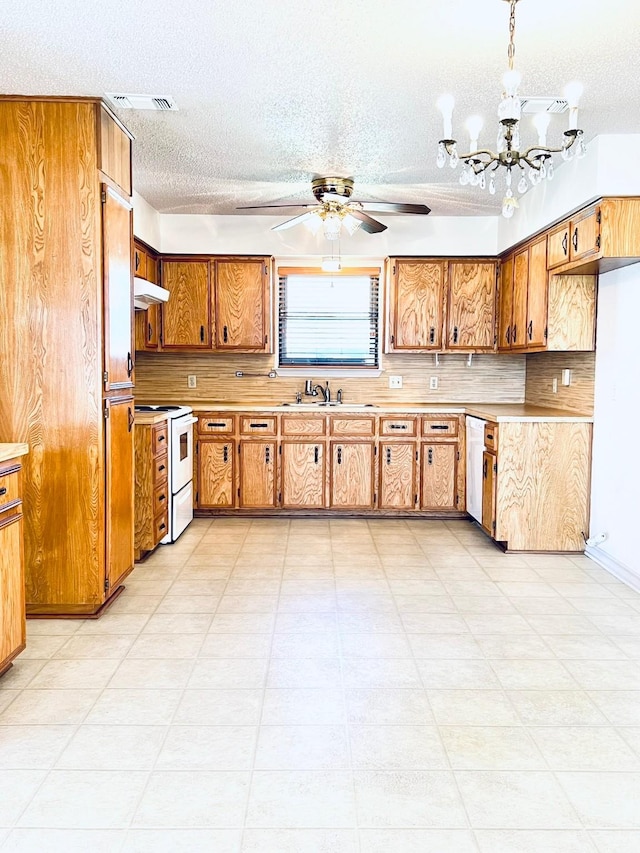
{"points": [[186, 317], [439, 476], [415, 305], [151, 486], [489, 482], [522, 313], [216, 473], [242, 305], [12, 603], [258, 481], [397, 475], [65, 320], [575, 239], [471, 305], [352, 474], [147, 321], [303, 474]]}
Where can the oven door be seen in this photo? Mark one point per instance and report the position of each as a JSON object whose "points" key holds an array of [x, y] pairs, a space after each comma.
{"points": [[181, 452]]}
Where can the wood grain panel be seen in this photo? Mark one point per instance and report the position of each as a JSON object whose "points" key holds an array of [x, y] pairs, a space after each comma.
{"points": [[537, 294], [439, 428], [352, 475], [571, 312], [352, 426], [216, 473], [214, 422], [117, 290], [50, 343], [416, 305], [114, 152], [397, 478], [241, 312], [186, 319], [577, 397], [438, 476], [585, 234], [258, 424], [489, 483], [472, 305], [620, 227], [303, 474], [519, 310], [257, 474], [543, 485], [301, 425], [119, 496], [505, 296], [399, 427], [145, 482]]}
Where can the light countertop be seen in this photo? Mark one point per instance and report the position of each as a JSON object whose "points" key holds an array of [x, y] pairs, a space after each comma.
{"points": [[12, 451], [149, 418]]}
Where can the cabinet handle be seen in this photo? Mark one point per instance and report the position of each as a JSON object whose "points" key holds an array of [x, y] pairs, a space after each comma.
{"points": [[316, 454], [225, 454], [161, 438], [3, 491], [530, 329], [258, 426], [432, 335], [574, 239], [131, 418], [225, 334], [149, 332], [484, 470], [515, 334], [439, 426], [339, 456], [202, 334], [430, 456], [267, 455], [216, 424], [455, 334], [162, 498], [161, 468], [163, 526], [129, 364], [392, 339], [565, 242], [398, 426], [137, 259], [508, 334], [388, 456]]}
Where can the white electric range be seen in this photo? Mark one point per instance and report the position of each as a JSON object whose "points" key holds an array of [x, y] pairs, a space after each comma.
{"points": [[180, 423]]}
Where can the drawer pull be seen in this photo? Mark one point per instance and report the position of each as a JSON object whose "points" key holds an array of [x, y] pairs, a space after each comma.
{"points": [[216, 424], [490, 436], [162, 467], [339, 456], [3, 491], [258, 426], [484, 470], [225, 454], [163, 526], [161, 438], [316, 454], [398, 426], [162, 498], [430, 456], [225, 334], [439, 426]]}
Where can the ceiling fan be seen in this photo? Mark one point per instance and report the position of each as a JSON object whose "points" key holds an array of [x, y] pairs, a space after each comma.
{"points": [[334, 209]]}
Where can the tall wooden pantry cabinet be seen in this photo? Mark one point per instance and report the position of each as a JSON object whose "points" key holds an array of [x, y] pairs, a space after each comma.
{"points": [[66, 348]]}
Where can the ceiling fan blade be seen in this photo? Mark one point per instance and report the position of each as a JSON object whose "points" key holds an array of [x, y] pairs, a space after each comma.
{"points": [[393, 207], [289, 223], [371, 226], [281, 204]]}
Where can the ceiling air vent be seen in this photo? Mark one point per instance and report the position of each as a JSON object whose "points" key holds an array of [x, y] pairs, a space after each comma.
{"points": [[543, 105], [141, 102]]}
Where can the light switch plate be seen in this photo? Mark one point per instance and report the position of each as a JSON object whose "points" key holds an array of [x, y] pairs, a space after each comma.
{"points": [[433, 383], [395, 382], [192, 380]]}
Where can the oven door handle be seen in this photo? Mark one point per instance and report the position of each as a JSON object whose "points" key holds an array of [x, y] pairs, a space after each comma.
{"points": [[190, 421]]}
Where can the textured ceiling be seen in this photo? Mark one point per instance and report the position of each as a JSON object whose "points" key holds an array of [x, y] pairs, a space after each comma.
{"points": [[274, 92]]}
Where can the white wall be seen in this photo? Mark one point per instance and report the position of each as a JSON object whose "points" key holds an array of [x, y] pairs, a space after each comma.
{"points": [[615, 499], [146, 222]]}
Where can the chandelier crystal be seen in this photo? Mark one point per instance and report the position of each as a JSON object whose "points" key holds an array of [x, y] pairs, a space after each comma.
{"points": [[532, 165]]}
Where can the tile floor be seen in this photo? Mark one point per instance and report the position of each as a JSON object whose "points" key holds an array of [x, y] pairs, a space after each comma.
{"points": [[332, 686]]}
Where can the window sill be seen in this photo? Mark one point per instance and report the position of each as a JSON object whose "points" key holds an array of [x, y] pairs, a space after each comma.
{"points": [[310, 370]]}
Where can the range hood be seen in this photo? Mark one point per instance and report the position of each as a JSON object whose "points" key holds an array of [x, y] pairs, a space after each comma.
{"points": [[146, 294]]}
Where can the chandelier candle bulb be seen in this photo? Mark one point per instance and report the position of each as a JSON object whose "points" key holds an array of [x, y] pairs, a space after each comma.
{"points": [[445, 104], [541, 124]]}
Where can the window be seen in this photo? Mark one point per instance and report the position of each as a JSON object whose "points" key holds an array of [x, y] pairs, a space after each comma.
{"points": [[328, 319]]}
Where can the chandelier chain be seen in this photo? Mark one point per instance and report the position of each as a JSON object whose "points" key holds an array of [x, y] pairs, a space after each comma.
{"points": [[511, 52]]}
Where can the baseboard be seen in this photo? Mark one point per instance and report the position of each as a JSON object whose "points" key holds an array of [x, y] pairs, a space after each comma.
{"points": [[618, 570]]}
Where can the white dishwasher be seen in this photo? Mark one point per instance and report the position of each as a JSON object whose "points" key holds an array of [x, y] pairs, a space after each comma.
{"points": [[475, 449]]}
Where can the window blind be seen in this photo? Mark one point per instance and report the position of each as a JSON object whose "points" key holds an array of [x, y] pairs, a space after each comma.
{"points": [[329, 320]]}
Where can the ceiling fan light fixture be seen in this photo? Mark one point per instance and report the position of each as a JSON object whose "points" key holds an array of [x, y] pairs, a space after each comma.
{"points": [[331, 226], [314, 223], [351, 224]]}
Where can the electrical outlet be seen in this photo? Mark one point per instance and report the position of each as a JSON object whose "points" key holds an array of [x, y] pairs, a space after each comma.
{"points": [[566, 376], [192, 381], [433, 383], [395, 382], [554, 385]]}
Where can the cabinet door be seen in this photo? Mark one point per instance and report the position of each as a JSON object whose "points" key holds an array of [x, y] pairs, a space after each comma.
{"points": [[119, 492], [520, 283], [472, 305], [352, 475], [558, 246], [152, 270], [117, 291], [489, 481], [12, 607], [439, 463], [216, 461], [537, 294], [506, 304], [397, 475], [186, 316], [416, 305], [258, 474], [242, 304], [303, 474], [139, 262], [147, 331], [585, 235]]}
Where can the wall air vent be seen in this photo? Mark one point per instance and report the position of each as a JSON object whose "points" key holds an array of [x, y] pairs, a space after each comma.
{"points": [[543, 105], [141, 102]]}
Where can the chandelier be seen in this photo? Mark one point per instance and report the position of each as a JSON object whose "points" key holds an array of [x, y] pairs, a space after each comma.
{"points": [[535, 163]]}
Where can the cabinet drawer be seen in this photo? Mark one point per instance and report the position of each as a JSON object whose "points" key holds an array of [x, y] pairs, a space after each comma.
{"points": [[208, 424], [439, 427], [159, 439], [160, 500], [558, 246], [160, 470], [258, 424], [9, 489], [160, 526], [491, 437], [292, 425], [398, 426], [353, 426]]}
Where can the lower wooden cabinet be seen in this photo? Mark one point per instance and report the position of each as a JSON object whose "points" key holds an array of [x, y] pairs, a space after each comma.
{"points": [[303, 475], [12, 603], [397, 475], [439, 470], [119, 499], [489, 480], [258, 474], [216, 473], [352, 474], [151, 486]]}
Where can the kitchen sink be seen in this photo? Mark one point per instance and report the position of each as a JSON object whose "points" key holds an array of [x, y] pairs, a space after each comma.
{"points": [[332, 404]]}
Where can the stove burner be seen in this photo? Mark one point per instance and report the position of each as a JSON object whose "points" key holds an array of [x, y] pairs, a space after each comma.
{"points": [[157, 408]]}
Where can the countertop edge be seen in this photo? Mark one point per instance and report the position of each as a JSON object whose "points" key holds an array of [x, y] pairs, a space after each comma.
{"points": [[11, 450]]}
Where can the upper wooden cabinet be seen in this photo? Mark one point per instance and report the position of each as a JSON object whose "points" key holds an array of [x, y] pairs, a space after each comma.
{"points": [[242, 304], [117, 292], [114, 151], [523, 298], [576, 239], [147, 322], [440, 305], [186, 317]]}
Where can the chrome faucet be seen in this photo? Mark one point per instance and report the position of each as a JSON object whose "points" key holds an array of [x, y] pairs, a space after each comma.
{"points": [[311, 390]]}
